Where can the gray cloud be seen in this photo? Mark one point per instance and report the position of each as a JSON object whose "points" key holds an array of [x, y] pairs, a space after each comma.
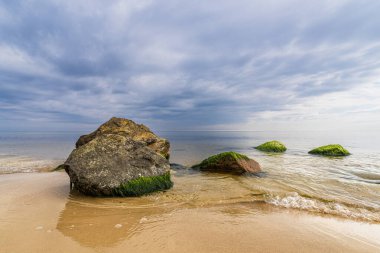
{"points": [[180, 64]]}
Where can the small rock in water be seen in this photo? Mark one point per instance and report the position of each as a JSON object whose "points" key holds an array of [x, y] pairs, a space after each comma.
{"points": [[39, 228], [272, 146], [330, 150], [229, 162], [118, 226]]}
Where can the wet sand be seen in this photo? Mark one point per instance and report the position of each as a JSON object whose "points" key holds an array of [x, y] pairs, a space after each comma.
{"points": [[39, 214]]}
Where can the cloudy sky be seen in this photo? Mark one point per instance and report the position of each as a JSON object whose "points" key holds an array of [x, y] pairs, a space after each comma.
{"points": [[180, 65]]}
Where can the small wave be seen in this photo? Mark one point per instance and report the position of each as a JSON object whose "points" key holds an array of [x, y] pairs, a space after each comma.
{"points": [[368, 177], [295, 201], [24, 164]]}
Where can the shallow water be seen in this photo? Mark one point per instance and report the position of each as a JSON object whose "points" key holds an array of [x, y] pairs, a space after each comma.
{"points": [[347, 187], [45, 216], [34, 151]]}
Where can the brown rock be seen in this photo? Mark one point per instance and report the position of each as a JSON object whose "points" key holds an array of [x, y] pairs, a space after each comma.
{"points": [[128, 128], [229, 162], [120, 158], [103, 166]]}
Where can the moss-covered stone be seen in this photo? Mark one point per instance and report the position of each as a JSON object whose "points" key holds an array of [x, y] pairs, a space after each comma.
{"points": [[144, 185], [330, 150], [229, 162], [212, 160], [272, 146]]}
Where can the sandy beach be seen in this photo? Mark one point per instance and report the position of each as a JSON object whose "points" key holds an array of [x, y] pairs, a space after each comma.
{"points": [[37, 211], [189, 126]]}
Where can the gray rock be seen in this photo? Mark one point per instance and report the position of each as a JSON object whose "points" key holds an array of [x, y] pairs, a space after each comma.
{"points": [[117, 165], [128, 128]]}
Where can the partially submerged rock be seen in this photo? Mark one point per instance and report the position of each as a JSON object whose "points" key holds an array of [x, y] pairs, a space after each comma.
{"points": [[330, 150], [272, 146], [128, 128], [229, 162], [59, 167], [117, 163]]}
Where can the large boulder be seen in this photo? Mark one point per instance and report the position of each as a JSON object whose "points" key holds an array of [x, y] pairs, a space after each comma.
{"points": [[272, 146], [330, 150], [231, 162], [128, 128], [118, 164]]}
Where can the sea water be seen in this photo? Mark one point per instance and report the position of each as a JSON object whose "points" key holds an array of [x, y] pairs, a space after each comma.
{"points": [[345, 186]]}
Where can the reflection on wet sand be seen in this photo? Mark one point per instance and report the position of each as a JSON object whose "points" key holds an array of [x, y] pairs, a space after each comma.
{"points": [[104, 222], [191, 217]]}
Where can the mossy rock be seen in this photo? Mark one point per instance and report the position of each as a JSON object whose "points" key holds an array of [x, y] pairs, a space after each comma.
{"points": [[212, 160], [116, 165], [229, 162], [272, 146], [144, 185], [330, 150]]}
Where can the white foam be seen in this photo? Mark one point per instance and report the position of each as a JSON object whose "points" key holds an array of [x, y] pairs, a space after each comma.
{"points": [[118, 226], [24, 164], [294, 200]]}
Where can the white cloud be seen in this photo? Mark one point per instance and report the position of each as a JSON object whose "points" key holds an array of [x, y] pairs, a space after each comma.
{"points": [[13, 59], [181, 64]]}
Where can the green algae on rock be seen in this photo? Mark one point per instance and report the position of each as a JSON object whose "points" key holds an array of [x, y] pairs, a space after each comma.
{"points": [[144, 185], [272, 146], [330, 150], [229, 162]]}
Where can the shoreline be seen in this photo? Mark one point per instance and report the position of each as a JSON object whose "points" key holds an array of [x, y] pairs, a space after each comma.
{"points": [[38, 212]]}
